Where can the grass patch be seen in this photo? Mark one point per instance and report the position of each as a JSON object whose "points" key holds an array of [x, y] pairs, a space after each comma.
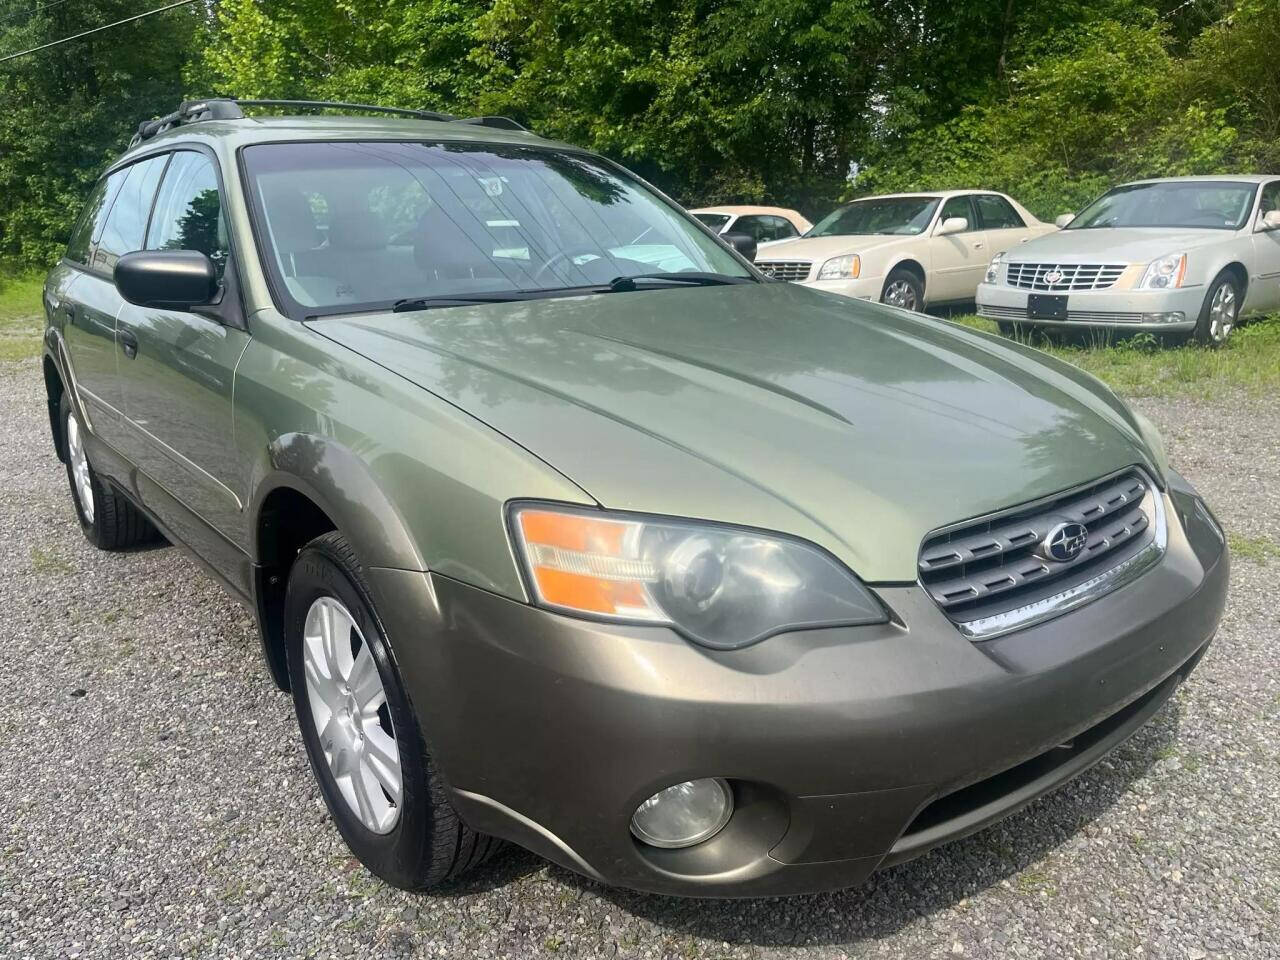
{"points": [[46, 561], [1257, 549], [1140, 366], [20, 313]]}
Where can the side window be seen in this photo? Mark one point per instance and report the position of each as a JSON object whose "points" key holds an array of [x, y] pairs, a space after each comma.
{"points": [[996, 213], [91, 220], [753, 227], [127, 222], [958, 207], [188, 214], [1270, 198], [783, 229]]}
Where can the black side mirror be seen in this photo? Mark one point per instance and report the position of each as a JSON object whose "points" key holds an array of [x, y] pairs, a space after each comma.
{"points": [[744, 243], [167, 279]]}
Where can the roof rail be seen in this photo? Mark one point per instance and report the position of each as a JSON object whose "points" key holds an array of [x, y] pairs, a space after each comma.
{"points": [[228, 108]]}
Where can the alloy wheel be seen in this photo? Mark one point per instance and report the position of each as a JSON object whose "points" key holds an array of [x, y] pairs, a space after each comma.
{"points": [[900, 294], [80, 468], [1222, 313], [351, 716]]}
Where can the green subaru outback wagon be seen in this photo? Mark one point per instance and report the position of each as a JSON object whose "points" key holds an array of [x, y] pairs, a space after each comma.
{"points": [[565, 526]]}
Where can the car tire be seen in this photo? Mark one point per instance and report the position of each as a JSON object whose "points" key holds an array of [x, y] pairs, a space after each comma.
{"points": [[1221, 311], [903, 288], [109, 521], [411, 837]]}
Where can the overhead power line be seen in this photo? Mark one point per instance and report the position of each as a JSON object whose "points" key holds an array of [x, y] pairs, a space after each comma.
{"points": [[38, 8], [85, 33]]}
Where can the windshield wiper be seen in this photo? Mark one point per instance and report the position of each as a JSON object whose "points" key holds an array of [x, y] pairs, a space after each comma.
{"points": [[621, 284], [426, 303]]}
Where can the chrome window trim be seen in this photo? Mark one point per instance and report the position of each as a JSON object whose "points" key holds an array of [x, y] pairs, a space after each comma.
{"points": [[987, 628]]}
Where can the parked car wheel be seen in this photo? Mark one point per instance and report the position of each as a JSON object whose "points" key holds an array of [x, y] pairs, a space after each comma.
{"points": [[363, 740], [109, 521], [903, 288], [1220, 312]]}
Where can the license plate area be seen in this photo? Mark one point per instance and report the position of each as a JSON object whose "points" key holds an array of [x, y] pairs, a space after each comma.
{"points": [[1046, 306]]}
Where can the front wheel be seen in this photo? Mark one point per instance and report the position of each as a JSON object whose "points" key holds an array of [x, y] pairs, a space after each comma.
{"points": [[903, 288], [1220, 312], [361, 734]]}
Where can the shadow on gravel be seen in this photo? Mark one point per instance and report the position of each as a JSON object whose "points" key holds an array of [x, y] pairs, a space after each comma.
{"points": [[901, 894]]}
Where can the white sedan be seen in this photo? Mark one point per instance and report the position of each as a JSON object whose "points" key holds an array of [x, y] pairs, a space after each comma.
{"points": [[909, 250], [1187, 255]]}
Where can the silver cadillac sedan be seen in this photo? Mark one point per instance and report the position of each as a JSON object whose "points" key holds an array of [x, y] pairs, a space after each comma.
{"points": [[1185, 255]]}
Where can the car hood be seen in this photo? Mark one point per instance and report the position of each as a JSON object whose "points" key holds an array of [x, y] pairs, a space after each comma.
{"points": [[821, 248], [1115, 245], [853, 425]]}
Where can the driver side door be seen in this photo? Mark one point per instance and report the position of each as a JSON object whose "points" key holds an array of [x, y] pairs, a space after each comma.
{"points": [[959, 259], [1266, 252]]}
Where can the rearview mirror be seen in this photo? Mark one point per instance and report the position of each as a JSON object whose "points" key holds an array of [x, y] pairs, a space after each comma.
{"points": [[1064, 219], [167, 279], [951, 225], [1270, 220], [744, 243]]}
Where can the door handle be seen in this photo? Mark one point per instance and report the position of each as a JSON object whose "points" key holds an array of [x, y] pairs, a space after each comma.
{"points": [[978, 245], [128, 343]]}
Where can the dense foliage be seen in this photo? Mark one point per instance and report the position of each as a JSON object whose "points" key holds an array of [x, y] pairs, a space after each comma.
{"points": [[715, 100]]}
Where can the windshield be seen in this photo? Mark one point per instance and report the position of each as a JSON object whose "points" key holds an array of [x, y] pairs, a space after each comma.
{"points": [[904, 215], [1197, 205], [360, 226], [713, 220]]}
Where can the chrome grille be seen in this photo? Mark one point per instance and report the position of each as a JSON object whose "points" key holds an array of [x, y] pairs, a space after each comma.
{"points": [[786, 269], [981, 570], [1062, 277], [1079, 316]]}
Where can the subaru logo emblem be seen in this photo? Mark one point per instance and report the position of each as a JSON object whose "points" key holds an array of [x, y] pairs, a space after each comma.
{"points": [[1065, 541], [1053, 277]]}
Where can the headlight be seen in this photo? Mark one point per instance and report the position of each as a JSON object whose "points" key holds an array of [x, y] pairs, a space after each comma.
{"points": [[1165, 273], [993, 268], [719, 586], [847, 267]]}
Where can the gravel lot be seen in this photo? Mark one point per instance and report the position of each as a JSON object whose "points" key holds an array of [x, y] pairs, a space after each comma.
{"points": [[157, 802]]}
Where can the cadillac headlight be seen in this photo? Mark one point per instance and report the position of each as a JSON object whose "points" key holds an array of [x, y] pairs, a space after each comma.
{"points": [[1165, 273], [847, 267], [720, 586], [993, 268]]}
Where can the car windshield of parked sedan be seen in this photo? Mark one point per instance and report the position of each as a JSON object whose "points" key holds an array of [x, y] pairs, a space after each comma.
{"points": [[362, 226], [715, 221], [1197, 204], [889, 215]]}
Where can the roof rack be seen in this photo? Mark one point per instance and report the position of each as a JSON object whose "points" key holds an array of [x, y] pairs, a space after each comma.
{"points": [[228, 108]]}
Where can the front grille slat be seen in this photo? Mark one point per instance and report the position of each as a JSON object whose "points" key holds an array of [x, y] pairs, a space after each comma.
{"points": [[1069, 276], [1019, 314], [791, 270], [985, 567]]}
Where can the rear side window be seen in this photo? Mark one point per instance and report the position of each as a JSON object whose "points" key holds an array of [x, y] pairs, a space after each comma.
{"points": [[1270, 197], [91, 220], [127, 222], [996, 212], [188, 213]]}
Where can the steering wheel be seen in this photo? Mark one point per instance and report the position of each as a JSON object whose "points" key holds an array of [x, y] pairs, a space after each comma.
{"points": [[563, 255]]}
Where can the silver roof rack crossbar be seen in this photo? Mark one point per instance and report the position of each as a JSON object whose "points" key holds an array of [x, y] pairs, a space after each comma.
{"points": [[228, 108]]}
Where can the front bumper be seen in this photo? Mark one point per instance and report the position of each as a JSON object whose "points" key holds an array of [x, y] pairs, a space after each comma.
{"points": [[1167, 311], [864, 288], [847, 748]]}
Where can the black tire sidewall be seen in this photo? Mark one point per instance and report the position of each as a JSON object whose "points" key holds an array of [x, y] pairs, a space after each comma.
{"points": [[910, 277], [398, 857], [1201, 332]]}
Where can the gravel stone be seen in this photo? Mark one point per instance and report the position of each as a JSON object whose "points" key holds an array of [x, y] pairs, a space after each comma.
{"points": [[171, 812]]}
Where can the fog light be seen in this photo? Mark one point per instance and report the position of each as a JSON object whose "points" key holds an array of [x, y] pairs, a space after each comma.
{"points": [[1176, 316], [684, 814]]}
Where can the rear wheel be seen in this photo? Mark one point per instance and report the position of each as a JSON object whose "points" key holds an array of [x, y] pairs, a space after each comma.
{"points": [[1220, 312], [361, 734], [108, 520], [903, 288]]}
